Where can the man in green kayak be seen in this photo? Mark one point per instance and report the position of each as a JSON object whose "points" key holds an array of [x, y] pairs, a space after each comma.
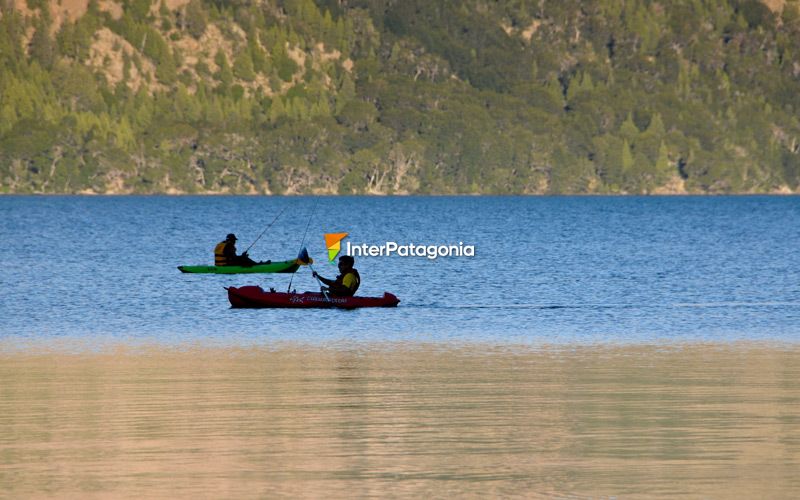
{"points": [[225, 254], [348, 281]]}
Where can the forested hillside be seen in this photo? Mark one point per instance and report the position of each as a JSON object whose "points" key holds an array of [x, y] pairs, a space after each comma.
{"points": [[399, 96]]}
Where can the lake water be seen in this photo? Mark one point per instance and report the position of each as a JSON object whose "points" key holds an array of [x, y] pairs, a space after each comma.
{"points": [[620, 346]]}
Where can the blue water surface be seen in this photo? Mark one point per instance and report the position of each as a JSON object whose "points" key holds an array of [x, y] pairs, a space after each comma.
{"points": [[546, 270]]}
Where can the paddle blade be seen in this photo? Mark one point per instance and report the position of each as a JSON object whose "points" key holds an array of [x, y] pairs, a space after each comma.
{"points": [[303, 258]]}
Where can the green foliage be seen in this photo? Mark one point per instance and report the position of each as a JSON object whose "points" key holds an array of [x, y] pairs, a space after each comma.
{"points": [[166, 71], [467, 96], [357, 115], [75, 39], [202, 68], [284, 65], [224, 74], [138, 9], [40, 5], [755, 13], [629, 131], [480, 52], [258, 56], [243, 66], [42, 49], [195, 20]]}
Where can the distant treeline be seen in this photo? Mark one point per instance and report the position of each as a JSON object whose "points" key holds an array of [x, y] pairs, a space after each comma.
{"points": [[400, 96]]}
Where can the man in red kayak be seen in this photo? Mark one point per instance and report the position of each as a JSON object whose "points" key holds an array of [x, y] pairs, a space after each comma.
{"points": [[225, 254], [346, 284]]}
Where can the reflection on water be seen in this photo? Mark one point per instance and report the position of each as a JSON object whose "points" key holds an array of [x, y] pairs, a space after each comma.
{"points": [[421, 420]]}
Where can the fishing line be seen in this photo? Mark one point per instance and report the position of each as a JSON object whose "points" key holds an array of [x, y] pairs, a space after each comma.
{"points": [[313, 208], [302, 243], [265, 230]]}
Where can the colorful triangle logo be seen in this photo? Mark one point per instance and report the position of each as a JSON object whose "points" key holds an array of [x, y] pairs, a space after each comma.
{"points": [[333, 242]]}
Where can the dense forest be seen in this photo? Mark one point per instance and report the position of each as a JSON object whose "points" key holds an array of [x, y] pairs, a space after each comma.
{"points": [[399, 96]]}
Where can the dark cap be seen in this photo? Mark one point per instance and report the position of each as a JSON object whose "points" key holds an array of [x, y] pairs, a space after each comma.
{"points": [[347, 259], [231, 237]]}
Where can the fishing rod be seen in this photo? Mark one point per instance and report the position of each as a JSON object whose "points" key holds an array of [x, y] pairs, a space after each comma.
{"points": [[302, 243], [265, 229]]}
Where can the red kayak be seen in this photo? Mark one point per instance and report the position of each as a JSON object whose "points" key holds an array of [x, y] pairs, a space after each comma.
{"points": [[255, 296]]}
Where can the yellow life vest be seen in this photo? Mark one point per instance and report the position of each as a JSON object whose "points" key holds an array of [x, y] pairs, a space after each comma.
{"points": [[219, 254], [352, 280]]}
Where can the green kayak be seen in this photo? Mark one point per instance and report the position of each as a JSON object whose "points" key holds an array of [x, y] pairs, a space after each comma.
{"points": [[286, 266]]}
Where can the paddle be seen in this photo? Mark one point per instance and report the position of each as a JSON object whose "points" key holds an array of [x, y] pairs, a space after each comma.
{"points": [[305, 260]]}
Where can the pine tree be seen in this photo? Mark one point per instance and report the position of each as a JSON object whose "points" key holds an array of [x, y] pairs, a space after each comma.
{"points": [[124, 135], [628, 130], [276, 109], [580, 84], [195, 20], [224, 75], [328, 30], [347, 92], [42, 49], [323, 106], [166, 71], [139, 9], [284, 64], [627, 157], [663, 168], [12, 27], [243, 66], [8, 118], [126, 67], [257, 55], [214, 114], [656, 126]]}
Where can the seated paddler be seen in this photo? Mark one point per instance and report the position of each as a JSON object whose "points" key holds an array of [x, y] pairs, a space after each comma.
{"points": [[346, 284], [225, 254]]}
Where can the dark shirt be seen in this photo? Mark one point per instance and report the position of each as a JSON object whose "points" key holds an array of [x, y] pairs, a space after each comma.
{"points": [[230, 252]]}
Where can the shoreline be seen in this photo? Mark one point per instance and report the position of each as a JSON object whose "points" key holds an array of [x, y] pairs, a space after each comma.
{"points": [[778, 194]]}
